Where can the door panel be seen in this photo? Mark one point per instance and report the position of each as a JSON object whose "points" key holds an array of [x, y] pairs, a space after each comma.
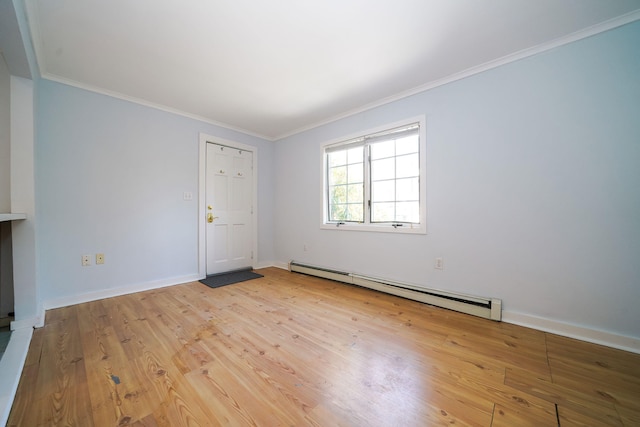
{"points": [[229, 198]]}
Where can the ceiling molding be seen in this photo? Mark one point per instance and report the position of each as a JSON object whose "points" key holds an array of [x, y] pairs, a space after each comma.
{"points": [[35, 35], [123, 97], [516, 56]]}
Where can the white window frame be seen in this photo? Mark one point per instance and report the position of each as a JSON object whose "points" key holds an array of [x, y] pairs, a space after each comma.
{"points": [[406, 228]]}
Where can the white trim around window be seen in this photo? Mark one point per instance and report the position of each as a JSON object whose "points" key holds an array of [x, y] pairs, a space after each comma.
{"points": [[352, 185]]}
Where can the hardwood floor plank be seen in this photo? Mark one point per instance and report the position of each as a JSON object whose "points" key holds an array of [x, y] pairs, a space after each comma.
{"points": [[35, 347], [60, 374], [289, 349], [20, 412], [160, 367], [503, 350], [572, 418], [506, 415], [604, 373], [106, 364], [28, 379], [575, 399], [178, 402], [605, 360], [243, 400], [629, 416]]}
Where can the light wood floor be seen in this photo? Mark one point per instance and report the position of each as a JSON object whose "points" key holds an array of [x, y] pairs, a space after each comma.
{"points": [[293, 350]]}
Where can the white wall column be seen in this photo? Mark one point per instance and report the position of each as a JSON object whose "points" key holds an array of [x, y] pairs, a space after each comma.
{"points": [[27, 302]]}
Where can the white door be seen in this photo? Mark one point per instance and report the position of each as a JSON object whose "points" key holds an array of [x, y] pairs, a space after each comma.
{"points": [[229, 210]]}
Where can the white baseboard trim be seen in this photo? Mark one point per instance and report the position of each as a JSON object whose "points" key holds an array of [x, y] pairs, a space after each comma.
{"points": [[265, 264], [282, 265], [29, 322], [11, 366], [595, 336], [109, 293], [268, 264]]}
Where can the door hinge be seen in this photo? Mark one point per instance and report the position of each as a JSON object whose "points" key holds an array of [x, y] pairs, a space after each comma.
{"points": [[251, 254]]}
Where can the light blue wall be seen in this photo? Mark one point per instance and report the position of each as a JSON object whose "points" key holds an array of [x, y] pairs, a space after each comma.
{"points": [[533, 188], [110, 178]]}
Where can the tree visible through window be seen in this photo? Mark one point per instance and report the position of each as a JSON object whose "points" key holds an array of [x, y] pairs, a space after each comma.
{"points": [[375, 179], [346, 184]]}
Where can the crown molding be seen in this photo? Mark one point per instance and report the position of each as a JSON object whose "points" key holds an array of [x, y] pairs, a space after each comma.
{"points": [[144, 102], [507, 59]]}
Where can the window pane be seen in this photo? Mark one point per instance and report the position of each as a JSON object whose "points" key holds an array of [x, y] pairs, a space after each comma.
{"points": [[407, 165], [383, 191], [337, 158], [355, 173], [382, 212], [382, 149], [355, 193], [355, 155], [346, 185], [407, 145], [408, 212], [383, 169], [355, 212], [407, 189], [338, 194], [338, 175], [338, 213]]}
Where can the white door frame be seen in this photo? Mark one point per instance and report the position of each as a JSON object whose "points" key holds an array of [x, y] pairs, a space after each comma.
{"points": [[202, 171]]}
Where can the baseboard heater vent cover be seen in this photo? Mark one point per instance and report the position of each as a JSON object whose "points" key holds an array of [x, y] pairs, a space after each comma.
{"points": [[489, 308]]}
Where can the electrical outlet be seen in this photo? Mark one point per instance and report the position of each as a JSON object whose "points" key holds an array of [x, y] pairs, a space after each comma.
{"points": [[439, 265], [86, 260], [99, 258]]}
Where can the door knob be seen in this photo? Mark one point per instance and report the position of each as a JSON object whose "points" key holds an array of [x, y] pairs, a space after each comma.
{"points": [[210, 217]]}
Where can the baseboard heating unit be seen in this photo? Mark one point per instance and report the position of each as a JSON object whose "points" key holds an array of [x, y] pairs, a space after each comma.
{"points": [[489, 308]]}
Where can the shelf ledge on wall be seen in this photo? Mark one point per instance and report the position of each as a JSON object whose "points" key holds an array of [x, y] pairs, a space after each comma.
{"points": [[12, 216]]}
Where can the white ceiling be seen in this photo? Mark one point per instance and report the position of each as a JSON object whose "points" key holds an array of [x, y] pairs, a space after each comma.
{"points": [[272, 68]]}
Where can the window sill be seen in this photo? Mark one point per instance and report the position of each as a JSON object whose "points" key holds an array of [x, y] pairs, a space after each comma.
{"points": [[386, 228]]}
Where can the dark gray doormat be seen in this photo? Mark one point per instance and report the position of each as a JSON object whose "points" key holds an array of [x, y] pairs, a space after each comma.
{"points": [[230, 277]]}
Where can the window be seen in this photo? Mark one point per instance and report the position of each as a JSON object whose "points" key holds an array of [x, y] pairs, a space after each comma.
{"points": [[377, 181]]}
